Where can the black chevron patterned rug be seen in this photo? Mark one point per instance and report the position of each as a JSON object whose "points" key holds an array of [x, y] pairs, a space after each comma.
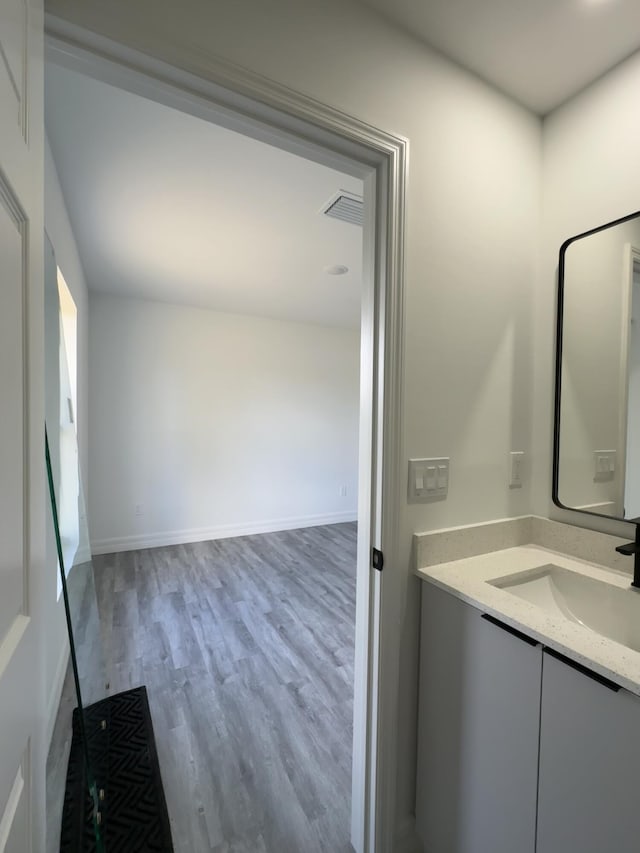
{"points": [[118, 805]]}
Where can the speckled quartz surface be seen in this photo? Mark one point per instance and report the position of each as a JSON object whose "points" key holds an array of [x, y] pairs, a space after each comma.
{"points": [[468, 578]]}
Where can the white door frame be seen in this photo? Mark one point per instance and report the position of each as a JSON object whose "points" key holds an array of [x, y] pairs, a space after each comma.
{"points": [[245, 102]]}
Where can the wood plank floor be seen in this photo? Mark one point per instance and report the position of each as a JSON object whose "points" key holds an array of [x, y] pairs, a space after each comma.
{"points": [[246, 648]]}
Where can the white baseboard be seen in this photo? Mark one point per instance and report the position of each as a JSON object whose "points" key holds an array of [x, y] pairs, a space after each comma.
{"points": [[407, 840], [53, 701], [204, 534]]}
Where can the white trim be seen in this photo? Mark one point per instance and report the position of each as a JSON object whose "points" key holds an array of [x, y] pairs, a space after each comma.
{"points": [[11, 809], [11, 640], [390, 489], [362, 759], [206, 534], [229, 95], [53, 700], [242, 100]]}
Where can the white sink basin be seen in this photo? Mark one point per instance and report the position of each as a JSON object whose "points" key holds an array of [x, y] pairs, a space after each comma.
{"points": [[608, 610]]}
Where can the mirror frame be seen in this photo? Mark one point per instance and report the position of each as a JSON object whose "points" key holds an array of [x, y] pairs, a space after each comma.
{"points": [[558, 368]]}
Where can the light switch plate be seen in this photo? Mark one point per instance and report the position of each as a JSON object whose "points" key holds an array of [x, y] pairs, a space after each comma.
{"points": [[428, 479]]}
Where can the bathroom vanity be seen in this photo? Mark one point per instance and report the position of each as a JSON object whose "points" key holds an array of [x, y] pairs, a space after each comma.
{"points": [[529, 706]]}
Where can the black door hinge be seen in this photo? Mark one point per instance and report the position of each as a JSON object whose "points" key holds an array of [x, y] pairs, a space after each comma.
{"points": [[377, 559]]}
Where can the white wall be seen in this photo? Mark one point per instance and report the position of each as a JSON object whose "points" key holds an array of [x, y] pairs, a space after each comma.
{"points": [[216, 424], [58, 228], [471, 243], [590, 177]]}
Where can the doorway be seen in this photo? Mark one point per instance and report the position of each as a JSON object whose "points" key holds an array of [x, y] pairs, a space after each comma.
{"points": [[380, 161]]}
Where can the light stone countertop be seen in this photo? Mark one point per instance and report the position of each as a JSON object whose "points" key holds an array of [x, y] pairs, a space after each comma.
{"points": [[467, 580]]}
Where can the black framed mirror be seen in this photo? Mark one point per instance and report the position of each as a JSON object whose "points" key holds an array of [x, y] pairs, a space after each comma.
{"points": [[596, 453]]}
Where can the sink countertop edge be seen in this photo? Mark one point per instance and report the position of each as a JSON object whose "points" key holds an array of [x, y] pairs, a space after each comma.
{"points": [[467, 579]]}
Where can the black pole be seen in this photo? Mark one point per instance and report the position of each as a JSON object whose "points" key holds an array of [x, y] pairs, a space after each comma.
{"points": [[636, 560], [632, 549]]}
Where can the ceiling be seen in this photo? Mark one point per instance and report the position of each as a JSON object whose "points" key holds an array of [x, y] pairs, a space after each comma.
{"points": [[167, 206], [541, 52]]}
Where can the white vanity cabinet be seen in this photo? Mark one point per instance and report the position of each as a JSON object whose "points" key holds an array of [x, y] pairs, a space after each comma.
{"points": [[479, 724], [520, 750], [589, 763]]}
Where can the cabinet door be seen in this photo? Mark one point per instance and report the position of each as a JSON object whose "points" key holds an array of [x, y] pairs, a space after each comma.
{"points": [[479, 719], [589, 764]]}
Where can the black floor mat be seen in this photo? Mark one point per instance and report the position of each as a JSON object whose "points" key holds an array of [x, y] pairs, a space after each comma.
{"points": [[133, 812]]}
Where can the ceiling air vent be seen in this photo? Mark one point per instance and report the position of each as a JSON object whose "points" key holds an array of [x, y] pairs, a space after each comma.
{"points": [[345, 206]]}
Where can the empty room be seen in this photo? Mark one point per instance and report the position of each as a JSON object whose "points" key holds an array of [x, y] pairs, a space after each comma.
{"points": [[217, 282]]}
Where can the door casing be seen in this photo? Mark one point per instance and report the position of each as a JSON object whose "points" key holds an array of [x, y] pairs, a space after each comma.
{"points": [[247, 103]]}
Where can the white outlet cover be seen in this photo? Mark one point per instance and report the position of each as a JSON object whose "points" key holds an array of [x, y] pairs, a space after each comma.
{"points": [[604, 465], [516, 469]]}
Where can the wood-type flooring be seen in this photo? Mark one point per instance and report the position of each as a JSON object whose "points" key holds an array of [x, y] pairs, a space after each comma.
{"points": [[246, 648]]}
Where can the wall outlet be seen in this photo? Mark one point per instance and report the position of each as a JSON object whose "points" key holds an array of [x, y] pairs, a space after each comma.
{"points": [[516, 469], [138, 509], [343, 491], [604, 465]]}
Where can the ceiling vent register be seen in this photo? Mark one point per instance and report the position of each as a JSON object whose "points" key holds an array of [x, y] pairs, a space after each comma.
{"points": [[345, 206]]}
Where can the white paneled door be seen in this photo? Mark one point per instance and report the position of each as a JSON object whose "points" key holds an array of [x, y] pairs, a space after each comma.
{"points": [[21, 476]]}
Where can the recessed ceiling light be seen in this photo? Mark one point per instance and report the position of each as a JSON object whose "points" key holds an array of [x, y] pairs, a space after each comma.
{"points": [[337, 269]]}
